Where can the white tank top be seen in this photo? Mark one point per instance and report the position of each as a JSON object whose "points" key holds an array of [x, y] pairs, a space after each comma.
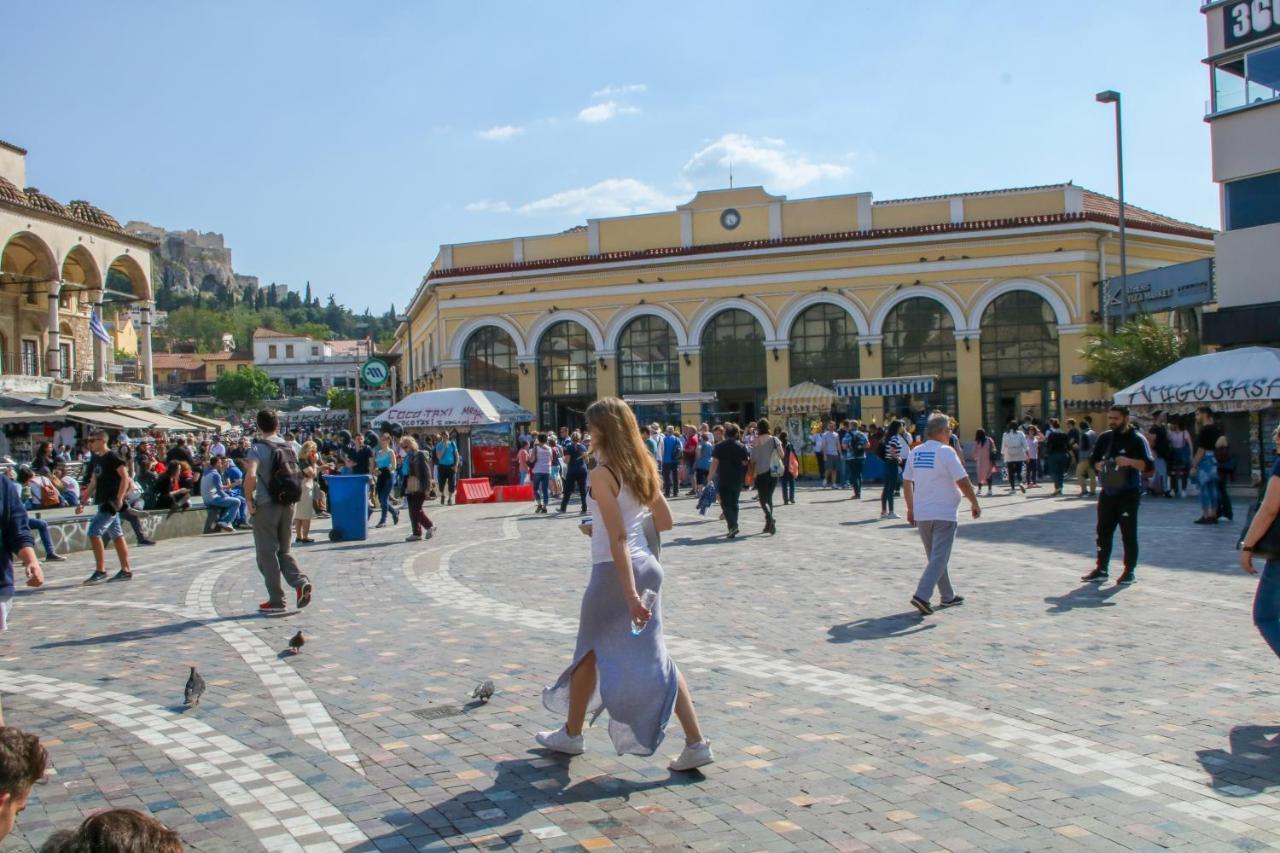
{"points": [[633, 516]]}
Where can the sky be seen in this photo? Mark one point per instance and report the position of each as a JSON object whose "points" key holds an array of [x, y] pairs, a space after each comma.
{"points": [[341, 143]]}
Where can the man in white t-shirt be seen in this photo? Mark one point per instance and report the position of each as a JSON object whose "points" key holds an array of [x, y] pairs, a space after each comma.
{"points": [[932, 485]]}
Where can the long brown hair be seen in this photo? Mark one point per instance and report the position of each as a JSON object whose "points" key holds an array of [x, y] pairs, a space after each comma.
{"points": [[617, 441]]}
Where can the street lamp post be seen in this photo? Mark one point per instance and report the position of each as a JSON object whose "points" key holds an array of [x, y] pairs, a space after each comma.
{"points": [[1110, 96]]}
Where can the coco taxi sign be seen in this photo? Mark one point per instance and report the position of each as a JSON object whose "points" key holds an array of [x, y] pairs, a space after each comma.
{"points": [[375, 372]]}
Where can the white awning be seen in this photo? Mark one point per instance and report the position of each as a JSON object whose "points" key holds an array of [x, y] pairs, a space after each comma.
{"points": [[114, 420], [1237, 380], [885, 386]]}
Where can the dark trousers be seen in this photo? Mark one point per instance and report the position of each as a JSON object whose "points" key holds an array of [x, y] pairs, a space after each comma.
{"points": [[1225, 509], [1266, 605], [855, 476], [1014, 471], [135, 521], [1122, 510], [892, 474], [1058, 468], [729, 494], [765, 484], [384, 497], [788, 488], [671, 479], [417, 516], [574, 477]]}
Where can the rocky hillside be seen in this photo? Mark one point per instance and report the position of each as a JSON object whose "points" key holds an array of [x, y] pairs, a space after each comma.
{"points": [[190, 262]]}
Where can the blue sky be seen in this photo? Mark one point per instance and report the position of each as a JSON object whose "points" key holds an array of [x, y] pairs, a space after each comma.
{"points": [[341, 143]]}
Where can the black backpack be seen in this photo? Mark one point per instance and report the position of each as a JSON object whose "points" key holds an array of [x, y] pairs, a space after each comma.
{"points": [[285, 483]]}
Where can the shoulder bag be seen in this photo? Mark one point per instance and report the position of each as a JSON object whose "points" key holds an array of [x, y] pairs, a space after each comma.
{"points": [[1112, 476], [776, 468]]}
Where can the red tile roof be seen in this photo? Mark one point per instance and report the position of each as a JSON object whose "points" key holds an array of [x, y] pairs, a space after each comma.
{"points": [[263, 332]]}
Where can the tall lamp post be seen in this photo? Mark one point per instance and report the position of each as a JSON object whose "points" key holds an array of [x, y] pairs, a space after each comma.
{"points": [[1111, 96]]}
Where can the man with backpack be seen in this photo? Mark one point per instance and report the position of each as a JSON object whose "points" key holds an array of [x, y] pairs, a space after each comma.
{"points": [[855, 457], [272, 486]]}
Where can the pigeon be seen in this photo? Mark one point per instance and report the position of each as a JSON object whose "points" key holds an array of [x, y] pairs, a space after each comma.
{"points": [[483, 691], [194, 689], [296, 642]]}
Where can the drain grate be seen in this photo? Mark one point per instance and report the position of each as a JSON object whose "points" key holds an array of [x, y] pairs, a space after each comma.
{"points": [[438, 712]]}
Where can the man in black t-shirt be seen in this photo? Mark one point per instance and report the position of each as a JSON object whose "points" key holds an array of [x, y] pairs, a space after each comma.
{"points": [[729, 469], [1205, 466], [109, 482]]}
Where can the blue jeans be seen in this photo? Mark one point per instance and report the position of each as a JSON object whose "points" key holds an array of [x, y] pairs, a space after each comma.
{"points": [[230, 507], [891, 476], [788, 488], [385, 482], [1207, 480], [39, 525], [542, 489], [855, 475], [1266, 605]]}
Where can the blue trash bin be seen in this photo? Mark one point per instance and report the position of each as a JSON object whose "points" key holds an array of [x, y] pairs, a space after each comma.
{"points": [[349, 507]]}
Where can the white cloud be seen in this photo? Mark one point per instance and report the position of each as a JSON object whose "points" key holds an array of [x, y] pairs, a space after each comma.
{"points": [[604, 111], [610, 197], [489, 207], [501, 133], [781, 167], [612, 91]]}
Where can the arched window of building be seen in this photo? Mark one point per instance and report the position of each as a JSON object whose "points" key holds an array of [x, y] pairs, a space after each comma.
{"points": [[1020, 373], [824, 345], [733, 365], [566, 375], [649, 363], [489, 362], [920, 340]]}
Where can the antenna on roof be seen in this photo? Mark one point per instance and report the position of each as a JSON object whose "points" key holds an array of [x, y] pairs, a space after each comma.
{"points": [[730, 174]]}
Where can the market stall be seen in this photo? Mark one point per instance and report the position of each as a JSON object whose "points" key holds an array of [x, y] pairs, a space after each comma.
{"points": [[1242, 383], [484, 420], [802, 410]]}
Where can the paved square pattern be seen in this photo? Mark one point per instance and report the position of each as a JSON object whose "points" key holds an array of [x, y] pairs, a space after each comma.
{"points": [[1043, 714]]}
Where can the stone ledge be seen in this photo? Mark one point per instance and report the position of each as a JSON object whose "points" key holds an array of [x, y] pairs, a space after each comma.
{"points": [[70, 532]]}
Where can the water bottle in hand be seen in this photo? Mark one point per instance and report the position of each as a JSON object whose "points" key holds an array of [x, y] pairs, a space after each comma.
{"points": [[648, 598]]}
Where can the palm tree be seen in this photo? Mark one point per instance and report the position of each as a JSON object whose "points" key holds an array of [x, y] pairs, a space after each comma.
{"points": [[1135, 350]]}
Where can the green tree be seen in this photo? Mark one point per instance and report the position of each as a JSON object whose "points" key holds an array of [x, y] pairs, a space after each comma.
{"points": [[342, 398], [1134, 351], [242, 389], [307, 297], [202, 327], [315, 331]]}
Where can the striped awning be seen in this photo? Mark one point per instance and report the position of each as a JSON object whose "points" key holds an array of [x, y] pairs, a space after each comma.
{"points": [[885, 386], [807, 398]]}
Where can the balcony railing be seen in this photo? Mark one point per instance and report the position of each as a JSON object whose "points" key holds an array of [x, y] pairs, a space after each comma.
{"points": [[24, 363]]}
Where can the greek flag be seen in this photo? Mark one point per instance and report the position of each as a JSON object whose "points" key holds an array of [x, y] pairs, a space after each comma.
{"points": [[95, 326]]}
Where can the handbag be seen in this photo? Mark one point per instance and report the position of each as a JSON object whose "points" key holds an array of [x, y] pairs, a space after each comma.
{"points": [[412, 485], [1268, 544], [776, 467]]}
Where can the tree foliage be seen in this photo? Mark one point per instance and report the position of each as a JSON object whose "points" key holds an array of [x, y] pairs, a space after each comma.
{"points": [[245, 388], [1134, 351], [342, 398]]}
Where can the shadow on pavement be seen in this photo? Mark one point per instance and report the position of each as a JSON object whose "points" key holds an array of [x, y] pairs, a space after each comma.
{"points": [[521, 786], [1089, 595], [1252, 765], [879, 628], [144, 633]]}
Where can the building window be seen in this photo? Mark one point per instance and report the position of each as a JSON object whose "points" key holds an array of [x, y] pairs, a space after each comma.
{"points": [[1252, 201], [315, 352], [733, 365], [1250, 79], [489, 363], [566, 361], [647, 359], [1020, 372], [271, 351], [824, 346], [31, 358], [64, 360], [288, 350], [919, 340], [219, 369]]}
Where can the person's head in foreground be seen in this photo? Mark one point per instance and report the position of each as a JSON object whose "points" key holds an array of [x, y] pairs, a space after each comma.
{"points": [[615, 440], [116, 831], [22, 764]]}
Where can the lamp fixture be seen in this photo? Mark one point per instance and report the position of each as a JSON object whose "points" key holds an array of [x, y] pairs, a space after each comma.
{"points": [[687, 359], [776, 357], [966, 344], [868, 347], [604, 365], [524, 369]]}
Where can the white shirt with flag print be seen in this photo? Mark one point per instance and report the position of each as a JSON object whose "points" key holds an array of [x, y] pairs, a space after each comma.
{"points": [[934, 468]]}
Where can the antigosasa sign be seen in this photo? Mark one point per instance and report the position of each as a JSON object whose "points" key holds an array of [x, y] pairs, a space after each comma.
{"points": [[1208, 393], [1249, 20]]}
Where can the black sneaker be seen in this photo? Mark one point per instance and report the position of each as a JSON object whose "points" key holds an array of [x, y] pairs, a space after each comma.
{"points": [[1125, 579], [146, 541], [954, 602], [95, 578], [304, 594], [1095, 575], [54, 558], [123, 575], [733, 532], [923, 606]]}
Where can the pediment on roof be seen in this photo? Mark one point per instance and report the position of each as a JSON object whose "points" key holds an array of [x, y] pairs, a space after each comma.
{"points": [[736, 197]]}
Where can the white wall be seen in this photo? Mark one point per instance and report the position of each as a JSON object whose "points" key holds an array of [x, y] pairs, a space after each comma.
{"points": [[1244, 143], [1247, 266]]}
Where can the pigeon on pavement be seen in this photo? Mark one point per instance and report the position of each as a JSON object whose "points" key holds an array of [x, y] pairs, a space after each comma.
{"points": [[296, 642], [483, 691], [194, 689]]}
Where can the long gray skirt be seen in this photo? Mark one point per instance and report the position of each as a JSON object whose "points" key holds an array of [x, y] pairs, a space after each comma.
{"points": [[637, 680]]}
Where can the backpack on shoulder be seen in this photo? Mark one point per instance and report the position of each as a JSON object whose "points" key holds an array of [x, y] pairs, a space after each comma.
{"points": [[285, 483]]}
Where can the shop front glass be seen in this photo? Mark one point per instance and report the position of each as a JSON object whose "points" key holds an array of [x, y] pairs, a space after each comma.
{"points": [[824, 348], [733, 366], [1020, 373], [920, 340], [566, 376], [489, 363]]}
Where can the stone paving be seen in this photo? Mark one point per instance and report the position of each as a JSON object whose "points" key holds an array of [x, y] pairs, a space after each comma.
{"points": [[1043, 714]]}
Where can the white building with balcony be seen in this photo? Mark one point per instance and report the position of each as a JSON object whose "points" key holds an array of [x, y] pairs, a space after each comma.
{"points": [[304, 367]]}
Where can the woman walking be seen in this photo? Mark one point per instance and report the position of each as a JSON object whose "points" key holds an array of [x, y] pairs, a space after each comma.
{"points": [[541, 469], [620, 664], [1013, 447], [1033, 457], [893, 450], [766, 456], [385, 461], [729, 470], [415, 471], [1266, 603], [984, 451]]}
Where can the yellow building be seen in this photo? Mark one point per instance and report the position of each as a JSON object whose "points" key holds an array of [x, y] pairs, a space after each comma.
{"points": [[977, 303]]}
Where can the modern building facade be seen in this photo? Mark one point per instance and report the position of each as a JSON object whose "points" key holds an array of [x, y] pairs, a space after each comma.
{"points": [[59, 264], [1244, 122], [977, 303], [304, 367]]}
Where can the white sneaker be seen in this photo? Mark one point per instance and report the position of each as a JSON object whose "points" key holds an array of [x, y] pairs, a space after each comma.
{"points": [[561, 741], [893, 515], [697, 755]]}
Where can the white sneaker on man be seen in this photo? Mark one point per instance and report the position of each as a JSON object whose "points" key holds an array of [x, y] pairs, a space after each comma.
{"points": [[893, 515], [561, 741], [693, 756]]}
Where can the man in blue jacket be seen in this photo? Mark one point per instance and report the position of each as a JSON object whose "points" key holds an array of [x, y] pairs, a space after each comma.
{"points": [[15, 540], [672, 453]]}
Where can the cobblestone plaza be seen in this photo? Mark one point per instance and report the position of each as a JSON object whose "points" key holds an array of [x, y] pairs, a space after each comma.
{"points": [[1043, 714]]}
